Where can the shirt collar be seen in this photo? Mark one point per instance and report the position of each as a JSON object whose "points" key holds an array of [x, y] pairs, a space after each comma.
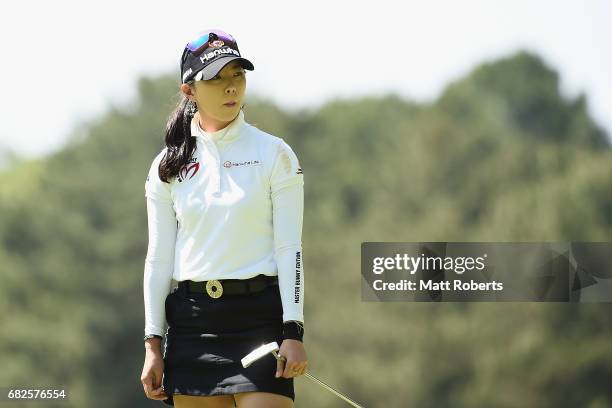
{"points": [[225, 135]]}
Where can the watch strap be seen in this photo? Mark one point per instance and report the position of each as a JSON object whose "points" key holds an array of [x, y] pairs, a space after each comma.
{"points": [[293, 330], [151, 336]]}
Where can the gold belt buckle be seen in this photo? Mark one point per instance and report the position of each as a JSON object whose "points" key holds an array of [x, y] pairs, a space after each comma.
{"points": [[214, 289]]}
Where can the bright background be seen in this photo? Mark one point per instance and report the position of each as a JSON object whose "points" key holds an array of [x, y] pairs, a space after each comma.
{"points": [[484, 127], [67, 61]]}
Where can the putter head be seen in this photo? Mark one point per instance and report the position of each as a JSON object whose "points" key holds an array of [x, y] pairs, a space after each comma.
{"points": [[258, 353]]}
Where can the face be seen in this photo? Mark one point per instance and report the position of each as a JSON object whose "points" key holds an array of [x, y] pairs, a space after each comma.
{"points": [[228, 85]]}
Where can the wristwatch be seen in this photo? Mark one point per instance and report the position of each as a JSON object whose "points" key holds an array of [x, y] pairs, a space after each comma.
{"points": [[150, 336], [293, 329]]}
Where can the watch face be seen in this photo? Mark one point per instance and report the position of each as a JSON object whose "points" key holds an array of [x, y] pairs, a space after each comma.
{"points": [[150, 336]]}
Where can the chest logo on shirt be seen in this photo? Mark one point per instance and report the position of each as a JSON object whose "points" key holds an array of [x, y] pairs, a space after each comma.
{"points": [[228, 163], [189, 170]]}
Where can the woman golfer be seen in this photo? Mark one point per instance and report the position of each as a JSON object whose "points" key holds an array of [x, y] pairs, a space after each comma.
{"points": [[224, 206]]}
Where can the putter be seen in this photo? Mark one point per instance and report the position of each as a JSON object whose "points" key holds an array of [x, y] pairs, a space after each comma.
{"points": [[262, 351]]}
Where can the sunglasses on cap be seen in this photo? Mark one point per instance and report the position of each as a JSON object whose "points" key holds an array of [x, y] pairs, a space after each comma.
{"points": [[206, 54], [199, 44]]}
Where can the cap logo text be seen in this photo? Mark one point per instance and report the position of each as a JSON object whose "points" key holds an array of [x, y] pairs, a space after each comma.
{"points": [[213, 54]]}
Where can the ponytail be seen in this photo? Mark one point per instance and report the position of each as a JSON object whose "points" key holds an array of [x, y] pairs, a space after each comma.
{"points": [[179, 142]]}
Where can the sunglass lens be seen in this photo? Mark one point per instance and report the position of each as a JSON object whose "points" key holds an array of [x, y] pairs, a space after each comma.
{"points": [[203, 38], [198, 43]]}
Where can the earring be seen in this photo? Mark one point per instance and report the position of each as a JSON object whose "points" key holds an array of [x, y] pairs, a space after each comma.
{"points": [[192, 108]]}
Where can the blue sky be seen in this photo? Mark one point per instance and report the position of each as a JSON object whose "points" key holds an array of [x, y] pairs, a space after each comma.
{"points": [[67, 61]]}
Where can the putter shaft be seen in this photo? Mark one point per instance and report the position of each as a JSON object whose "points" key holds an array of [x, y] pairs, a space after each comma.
{"points": [[322, 384]]}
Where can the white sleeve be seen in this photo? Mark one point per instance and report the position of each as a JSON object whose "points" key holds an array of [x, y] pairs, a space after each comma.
{"points": [[159, 262], [154, 187], [287, 194]]}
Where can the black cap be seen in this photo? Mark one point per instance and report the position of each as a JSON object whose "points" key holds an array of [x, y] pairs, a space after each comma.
{"points": [[215, 49]]}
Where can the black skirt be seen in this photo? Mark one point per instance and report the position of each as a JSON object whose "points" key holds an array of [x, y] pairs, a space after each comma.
{"points": [[207, 338]]}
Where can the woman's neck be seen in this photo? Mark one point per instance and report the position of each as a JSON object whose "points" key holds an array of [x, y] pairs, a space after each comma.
{"points": [[211, 125]]}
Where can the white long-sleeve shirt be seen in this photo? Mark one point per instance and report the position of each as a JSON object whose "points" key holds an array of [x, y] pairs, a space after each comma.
{"points": [[235, 211]]}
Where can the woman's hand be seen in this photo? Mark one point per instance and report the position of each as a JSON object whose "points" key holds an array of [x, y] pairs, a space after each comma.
{"points": [[296, 360], [151, 377]]}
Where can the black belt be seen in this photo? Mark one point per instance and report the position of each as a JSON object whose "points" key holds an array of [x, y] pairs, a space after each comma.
{"points": [[217, 288]]}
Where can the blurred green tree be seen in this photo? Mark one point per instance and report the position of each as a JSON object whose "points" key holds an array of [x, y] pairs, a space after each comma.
{"points": [[500, 156]]}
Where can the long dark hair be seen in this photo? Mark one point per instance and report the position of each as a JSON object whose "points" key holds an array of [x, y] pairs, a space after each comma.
{"points": [[179, 142]]}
